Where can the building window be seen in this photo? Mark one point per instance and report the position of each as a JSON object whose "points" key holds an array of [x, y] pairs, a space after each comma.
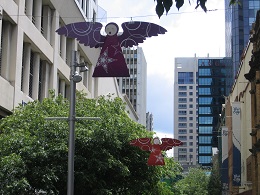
{"points": [[205, 91], [191, 131], [182, 100], [206, 120], [182, 150], [23, 67], [1, 51], [182, 88], [205, 81], [190, 93], [205, 129], [182, 106], [182, 94], [205, 110], [185, 77], [205, 139], [182, 131], [182, 157], [182, 125], [206, 100], [204, 159], [182, 119], [31, 75], [205, 72], [205, 149], [182, 112], [184, 138], [40, 97]]}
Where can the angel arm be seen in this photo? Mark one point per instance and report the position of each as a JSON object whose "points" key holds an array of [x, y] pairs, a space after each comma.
{"points": [[142, 143], [87, 33], [169, 143], [136, 32]]}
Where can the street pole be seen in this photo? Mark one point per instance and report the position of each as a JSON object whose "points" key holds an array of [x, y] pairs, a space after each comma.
{"points": [[74, 78], [70, 190]]}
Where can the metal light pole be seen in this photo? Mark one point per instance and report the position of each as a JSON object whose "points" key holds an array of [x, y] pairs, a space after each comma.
{"points": [[74, 78], [72, 118]]}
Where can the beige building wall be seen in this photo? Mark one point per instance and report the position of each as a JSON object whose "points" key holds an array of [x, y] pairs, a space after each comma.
{"points": [[241, 93], [35, 59]]}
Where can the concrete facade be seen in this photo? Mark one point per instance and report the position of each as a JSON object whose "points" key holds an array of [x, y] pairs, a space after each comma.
{"points": [[35, 59], [185, 115], [238, 142], [135, 86]]}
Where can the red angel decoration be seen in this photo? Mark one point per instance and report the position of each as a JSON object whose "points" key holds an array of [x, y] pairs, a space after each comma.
{"points": [[156, 157], [111, 62]]}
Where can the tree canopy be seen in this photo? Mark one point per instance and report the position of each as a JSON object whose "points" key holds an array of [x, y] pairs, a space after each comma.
{"points": [[34, 151], [195, 182], [165, 5]]}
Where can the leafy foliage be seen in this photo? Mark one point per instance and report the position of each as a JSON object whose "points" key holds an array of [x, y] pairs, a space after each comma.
{"points": [[194, 183], [215, 186], [170, 174], [165, 5], [34, 151]]}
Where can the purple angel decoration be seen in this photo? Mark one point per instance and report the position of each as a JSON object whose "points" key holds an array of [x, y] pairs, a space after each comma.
{"points": [[111, 62]]}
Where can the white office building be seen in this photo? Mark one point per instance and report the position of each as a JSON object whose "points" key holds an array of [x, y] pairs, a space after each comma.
{"points": [[35, 59], [185, 110], [135, 86]]}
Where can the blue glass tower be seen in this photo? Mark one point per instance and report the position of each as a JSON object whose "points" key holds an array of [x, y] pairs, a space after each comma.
{"points": [[214, 83], [238, 23]]}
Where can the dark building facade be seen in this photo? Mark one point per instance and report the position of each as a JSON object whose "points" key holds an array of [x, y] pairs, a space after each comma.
{"points": [[214, 83], [238, 23]]}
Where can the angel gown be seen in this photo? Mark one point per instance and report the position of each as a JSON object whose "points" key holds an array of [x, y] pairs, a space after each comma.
{"points": [[111, 60]]}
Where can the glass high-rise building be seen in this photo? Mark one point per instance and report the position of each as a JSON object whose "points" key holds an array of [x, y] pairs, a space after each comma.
{"points": [[214, 83], [238, 23], [200, 87]]}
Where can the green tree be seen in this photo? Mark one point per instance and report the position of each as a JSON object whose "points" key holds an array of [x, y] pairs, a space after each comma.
{"points": [[34, 151], [165, 5], [171, 171], [194, 183], [214, 186]]}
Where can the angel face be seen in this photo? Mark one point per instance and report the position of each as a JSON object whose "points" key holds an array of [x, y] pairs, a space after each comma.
{"points": [[111, 29], [156, 140]]}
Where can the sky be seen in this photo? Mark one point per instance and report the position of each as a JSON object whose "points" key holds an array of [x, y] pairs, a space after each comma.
{"points": [[190, 31]]}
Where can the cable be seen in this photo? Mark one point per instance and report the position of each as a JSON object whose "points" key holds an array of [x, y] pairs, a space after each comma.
{"points": [[130, 17]]}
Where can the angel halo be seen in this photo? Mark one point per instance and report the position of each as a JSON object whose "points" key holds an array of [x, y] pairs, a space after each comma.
{"points": [[111, 61]]}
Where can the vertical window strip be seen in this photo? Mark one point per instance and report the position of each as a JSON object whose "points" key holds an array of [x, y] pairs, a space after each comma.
{"points": [[22, 74], [40, 81], [1, 51], [31, 75]]}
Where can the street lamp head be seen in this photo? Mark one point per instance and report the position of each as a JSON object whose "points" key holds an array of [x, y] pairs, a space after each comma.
{"points": [[76, 77], [83, 69]]}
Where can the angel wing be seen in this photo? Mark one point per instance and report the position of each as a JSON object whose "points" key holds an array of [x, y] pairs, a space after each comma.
{"points": [[142, 143], [87, 33], [168, 143], [136, 32]]}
